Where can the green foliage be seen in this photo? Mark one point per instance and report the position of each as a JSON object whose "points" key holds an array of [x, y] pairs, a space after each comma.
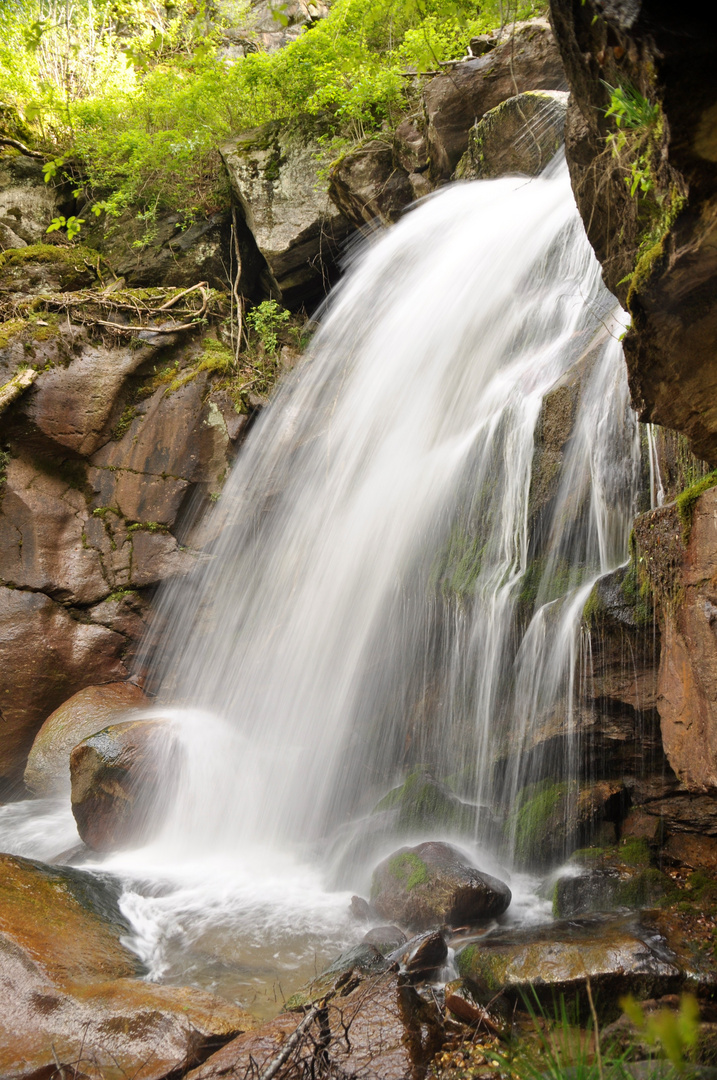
{"points": [[674, 1033], [142, 102], [72, 224], [686, 500], [635, 119], [267, 319]]}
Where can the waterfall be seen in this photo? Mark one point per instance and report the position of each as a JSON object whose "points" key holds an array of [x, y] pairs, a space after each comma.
{"points": [[401, 556]]}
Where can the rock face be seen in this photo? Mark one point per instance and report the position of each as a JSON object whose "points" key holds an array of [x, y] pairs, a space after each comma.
{"points": [[70, 989], [107, 454], [434, 884], [123, 782], [683, 576], [368, 186], [528, 60], [289, 244], [520, 135], [90, 710], [604, 880], [27, 203], [660, 261]]}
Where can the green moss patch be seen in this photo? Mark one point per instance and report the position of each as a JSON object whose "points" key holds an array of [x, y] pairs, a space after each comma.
{"points": [[686, 500], [409, 869]]}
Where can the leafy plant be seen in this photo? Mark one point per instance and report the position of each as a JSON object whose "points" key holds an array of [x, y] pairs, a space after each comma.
{"points": [[267, 320], [635, 119], [674, 1033], [72, 224]]}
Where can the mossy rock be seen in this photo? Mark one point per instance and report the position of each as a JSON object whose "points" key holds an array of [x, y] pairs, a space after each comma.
{"points": [[610, 878], [49, 268], [435, 884], [424, 803]]}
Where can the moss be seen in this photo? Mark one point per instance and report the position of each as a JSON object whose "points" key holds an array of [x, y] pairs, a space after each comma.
{"points": [[634, 852], [423, 801], [529, 821], [119, 594], [645, 889], [49, 253], [147, 526], [10, 330], [686, 500], [125, 421], [409, 869]]}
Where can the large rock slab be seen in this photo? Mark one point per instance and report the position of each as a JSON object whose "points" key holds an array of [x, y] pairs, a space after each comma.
{"points": [[368, 186], [370, 1027], [90, 710], [70, 992], [434, 884], [45, 656], [122, 783], [527, 60], [618, 955], [520, 135], [286, 212]]}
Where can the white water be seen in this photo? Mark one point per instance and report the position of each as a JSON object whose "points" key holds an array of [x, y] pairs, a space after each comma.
{"points": [[382, 595]]}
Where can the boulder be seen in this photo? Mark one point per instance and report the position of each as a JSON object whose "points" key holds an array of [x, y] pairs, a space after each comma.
{"points": [[607, 879], [45, 268], [527, 60], [435, 884], [45, 656], [368, 186], [90, 710], [421, 956], [27, 203], [385, 938], [123, 783], [290, 233], [393, 1033], [618, 954], [520, 135], [71, 997]]}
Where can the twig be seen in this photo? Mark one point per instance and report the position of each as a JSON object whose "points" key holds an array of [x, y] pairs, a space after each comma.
{"points": [[17, 145], [275, 1064], [171, 302]]}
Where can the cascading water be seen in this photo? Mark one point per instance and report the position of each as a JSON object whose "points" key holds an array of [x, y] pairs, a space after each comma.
{"points": [[401, 557]]}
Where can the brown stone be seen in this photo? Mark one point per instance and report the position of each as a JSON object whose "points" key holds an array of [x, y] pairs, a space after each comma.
{"points": [[368, 186], [122, 783], [45, 656], [698, 852], [528, 60], [520, 135], [42, 536], [86, 712], [392, 1034], [435, 884], [69, 991]]}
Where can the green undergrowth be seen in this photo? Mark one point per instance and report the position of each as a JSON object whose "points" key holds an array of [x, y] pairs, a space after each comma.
{"points": [[132, 109]]}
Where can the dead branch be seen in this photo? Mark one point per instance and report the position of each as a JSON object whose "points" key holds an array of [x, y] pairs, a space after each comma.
{"points": [[17, 145]]}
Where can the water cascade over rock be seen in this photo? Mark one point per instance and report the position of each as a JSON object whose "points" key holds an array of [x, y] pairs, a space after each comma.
{"points": [[403, 552]]}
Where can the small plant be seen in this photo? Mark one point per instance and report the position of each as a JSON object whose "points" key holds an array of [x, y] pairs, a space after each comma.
{"points": [[674, 1033], [72, 224], [267, 320], [635, 118]]}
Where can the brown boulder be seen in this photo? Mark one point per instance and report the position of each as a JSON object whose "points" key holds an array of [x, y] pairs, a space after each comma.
{"points": [[520, 135], [370, 1027], [122, 783], [528, 60], [435, 884], [45, 656], [367, 185], [90, 710], [70, 993]]}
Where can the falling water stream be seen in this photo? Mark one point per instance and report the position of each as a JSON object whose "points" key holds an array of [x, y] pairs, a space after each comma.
{"points": [[399, 563]]}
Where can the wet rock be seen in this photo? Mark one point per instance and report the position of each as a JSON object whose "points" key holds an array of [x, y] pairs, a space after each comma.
{"points": [[393, 1033], [422, 802], [528, 60], [607, 879], [289, 226], [435, 884], [367, 185], [520, 135], [90, 710], [422, 955], [618, 955], [363, 957], [360, 909], [45, 656], [123, 782], [385, 938], [70, 991], [461, 1004]]}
